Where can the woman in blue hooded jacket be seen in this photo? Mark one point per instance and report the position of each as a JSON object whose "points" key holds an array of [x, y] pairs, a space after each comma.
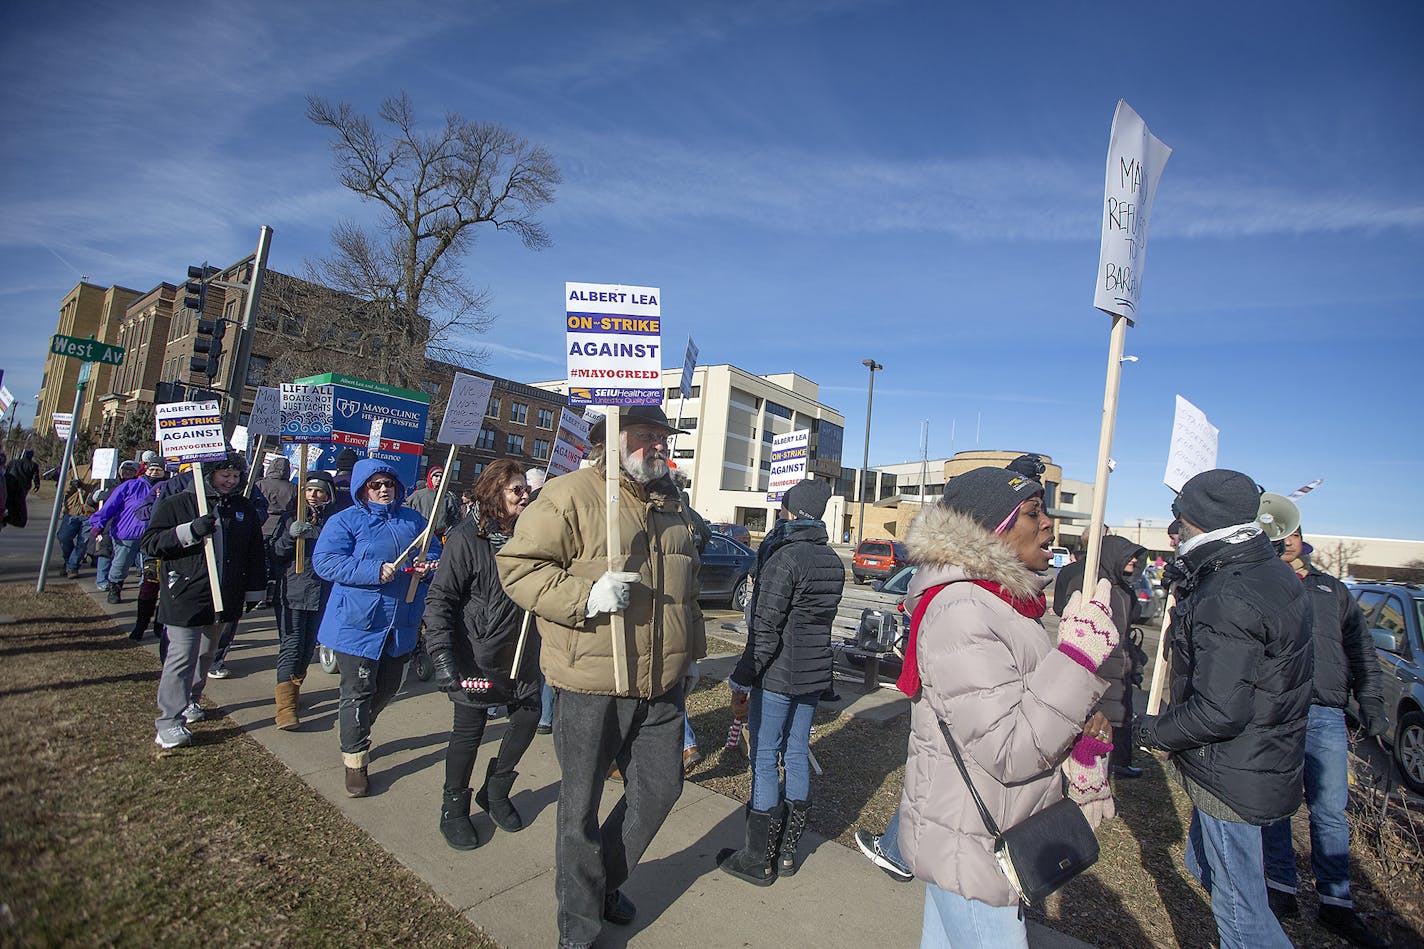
{"points": [[368, 623]]}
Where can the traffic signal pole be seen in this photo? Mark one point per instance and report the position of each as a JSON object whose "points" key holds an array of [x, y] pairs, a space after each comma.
{"points": [[237, 382]]}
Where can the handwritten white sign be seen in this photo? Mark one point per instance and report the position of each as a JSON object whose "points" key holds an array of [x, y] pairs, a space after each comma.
{"points": [[239, 439], [266, 417], [570, 445], [788, 462], [1136, 158], [373, 441], [105, 463], [1194, 442], [465, 409]]}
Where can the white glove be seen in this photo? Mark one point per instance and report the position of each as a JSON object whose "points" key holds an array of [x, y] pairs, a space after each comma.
{"points": [[610, 593]]}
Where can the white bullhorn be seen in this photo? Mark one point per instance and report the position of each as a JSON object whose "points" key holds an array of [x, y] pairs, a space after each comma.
{"points": [[1278, 517]]}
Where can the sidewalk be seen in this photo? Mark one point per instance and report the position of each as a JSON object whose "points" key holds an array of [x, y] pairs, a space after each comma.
{"points": [[506, 887]]}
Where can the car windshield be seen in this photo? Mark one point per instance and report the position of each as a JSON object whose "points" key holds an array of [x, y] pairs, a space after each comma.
{"points": [[1419, 613], [874, 550], [900, 583]]}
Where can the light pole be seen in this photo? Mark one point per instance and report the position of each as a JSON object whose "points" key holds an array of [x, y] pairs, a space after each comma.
{"points": [[872, 365]]}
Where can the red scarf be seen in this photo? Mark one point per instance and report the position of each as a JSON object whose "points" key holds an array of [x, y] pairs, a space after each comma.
{"points": [[909, 682]]}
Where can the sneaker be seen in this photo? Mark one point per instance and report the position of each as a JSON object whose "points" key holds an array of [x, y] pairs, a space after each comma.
{"points": [[543, 728], [1284, 905], [218, 672], [72, 574], [194, 713], [869, 845], [173, 736]]}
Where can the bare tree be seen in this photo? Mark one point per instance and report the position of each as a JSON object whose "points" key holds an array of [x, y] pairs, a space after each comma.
{"points": [[1336, 558], [435, 189]]}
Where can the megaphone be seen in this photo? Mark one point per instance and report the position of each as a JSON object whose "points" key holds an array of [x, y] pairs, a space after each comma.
{"points": [[1278, 517]]}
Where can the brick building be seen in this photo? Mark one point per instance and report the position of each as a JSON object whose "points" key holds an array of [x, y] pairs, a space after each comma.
{"points": [[87, 310]]}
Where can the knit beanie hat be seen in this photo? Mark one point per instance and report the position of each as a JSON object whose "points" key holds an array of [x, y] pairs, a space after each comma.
{"points": [[1218, 498], [151, 458], [991, 496], [807, 499]]}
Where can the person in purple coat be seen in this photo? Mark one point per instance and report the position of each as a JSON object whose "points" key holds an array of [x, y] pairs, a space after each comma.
{"points": [[123, 516]]}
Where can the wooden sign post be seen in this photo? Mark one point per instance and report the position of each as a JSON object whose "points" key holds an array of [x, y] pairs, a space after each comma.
{"points": [[209, 551], [300, 564], [611, 472], [429, 532]]}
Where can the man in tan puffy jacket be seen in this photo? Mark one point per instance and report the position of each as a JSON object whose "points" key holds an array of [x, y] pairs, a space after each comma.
{"points": [[556, 565]]}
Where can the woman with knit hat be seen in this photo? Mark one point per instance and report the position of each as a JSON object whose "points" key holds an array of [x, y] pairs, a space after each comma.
{"points": [[303, 595], [984, 672]]}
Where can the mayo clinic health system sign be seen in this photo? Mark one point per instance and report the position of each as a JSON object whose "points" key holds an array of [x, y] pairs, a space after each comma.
{"points": [[358, 403], [614, 341]]}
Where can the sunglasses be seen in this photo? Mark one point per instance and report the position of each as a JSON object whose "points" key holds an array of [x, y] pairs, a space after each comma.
{"points": [[381, 485], [518, 490]]}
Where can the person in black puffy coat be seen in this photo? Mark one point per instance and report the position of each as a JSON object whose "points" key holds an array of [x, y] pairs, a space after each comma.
{"points": [[786, 666], [472, 629]]}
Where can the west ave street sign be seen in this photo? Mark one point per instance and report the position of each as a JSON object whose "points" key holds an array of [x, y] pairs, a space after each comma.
{"points": [[88, 350]]}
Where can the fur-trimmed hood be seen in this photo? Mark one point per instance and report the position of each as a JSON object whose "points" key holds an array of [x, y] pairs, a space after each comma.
{"points": [[949, 546]]}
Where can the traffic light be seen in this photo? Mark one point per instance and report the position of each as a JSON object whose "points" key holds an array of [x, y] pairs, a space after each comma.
{"points": [[208, 343], [166, 392], [196, 289]]}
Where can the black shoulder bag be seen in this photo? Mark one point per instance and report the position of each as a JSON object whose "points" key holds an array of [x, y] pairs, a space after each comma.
{"points": [[1042, 852]]}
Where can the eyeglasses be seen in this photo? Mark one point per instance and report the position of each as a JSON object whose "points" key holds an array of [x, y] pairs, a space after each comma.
{"points": [[518, 490], [647, 438], [382, 485]]}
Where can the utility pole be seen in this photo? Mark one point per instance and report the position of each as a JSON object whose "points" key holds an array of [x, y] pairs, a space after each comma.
{"points": [[872, 365], [237, 382], [924, 459], [62, 481]]}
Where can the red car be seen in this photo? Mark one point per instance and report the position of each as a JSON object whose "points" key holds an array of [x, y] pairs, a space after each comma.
{"points": [[877, 560]]}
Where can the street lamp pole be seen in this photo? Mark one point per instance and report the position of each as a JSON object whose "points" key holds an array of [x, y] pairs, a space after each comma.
{"points": [[872, 365]]}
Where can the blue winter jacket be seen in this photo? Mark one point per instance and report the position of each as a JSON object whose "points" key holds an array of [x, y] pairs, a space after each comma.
{"points": [[365, 617]]}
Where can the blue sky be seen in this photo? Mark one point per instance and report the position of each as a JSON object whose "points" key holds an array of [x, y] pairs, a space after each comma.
{"points": [[811, 184]]}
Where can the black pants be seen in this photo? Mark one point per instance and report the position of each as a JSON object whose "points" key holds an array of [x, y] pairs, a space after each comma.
{"points": [[469, 730], [296, 641], [367, 687], [644, 736]]}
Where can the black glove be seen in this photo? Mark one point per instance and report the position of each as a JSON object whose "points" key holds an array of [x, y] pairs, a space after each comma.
{"points": [[1144, 732], [447, 673], [1375, 720], [203, 526], [744, 675]]}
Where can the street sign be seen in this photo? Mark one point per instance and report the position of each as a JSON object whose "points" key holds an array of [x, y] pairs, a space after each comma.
{"points": [[85, 371], [89, 350]]}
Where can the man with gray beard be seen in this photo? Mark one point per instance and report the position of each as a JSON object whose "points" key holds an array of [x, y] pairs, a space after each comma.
{"points": [[556, 566]]}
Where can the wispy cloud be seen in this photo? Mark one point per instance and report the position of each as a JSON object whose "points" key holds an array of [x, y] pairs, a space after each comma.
{"points": [[941, 396], [523, 355]]}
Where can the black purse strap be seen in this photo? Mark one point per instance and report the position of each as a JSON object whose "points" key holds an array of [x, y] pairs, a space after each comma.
{"points": [[988, 818]]}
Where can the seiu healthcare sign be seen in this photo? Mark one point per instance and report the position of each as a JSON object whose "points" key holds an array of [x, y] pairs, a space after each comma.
{"points": [[614, 340]]}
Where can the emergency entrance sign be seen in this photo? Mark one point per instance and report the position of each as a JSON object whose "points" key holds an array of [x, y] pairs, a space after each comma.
{"points": [[614, 339], [190, 431]]}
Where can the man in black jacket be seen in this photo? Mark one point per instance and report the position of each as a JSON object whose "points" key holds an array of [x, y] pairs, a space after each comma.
{"points": [[177, 534], [1241, 684], [1345, 662], [786, 665]]}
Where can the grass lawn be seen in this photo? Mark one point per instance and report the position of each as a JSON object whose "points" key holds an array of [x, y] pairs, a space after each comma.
{"points": [[104, 840], [1138, 894]]}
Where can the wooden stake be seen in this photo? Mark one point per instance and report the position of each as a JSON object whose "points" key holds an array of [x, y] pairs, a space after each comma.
{"points": [[300, 565], [611, 473], [519, 647], [254, 466], [1159, 666], [1116, 344], [430, 527], [209, 551]]}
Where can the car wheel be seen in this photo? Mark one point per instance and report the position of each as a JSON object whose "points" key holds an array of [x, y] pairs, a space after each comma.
{"points": [[1409, 750], [327, 658], [740, 594]]}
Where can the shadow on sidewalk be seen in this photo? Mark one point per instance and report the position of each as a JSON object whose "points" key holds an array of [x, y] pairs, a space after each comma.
{"points": [[83, 683]]}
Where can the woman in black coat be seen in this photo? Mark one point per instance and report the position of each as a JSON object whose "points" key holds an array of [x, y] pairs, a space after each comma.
{"points": [[303, 595], [471, 632], [177, 534]]}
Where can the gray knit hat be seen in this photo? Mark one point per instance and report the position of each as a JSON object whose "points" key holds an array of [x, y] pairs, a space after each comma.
{"points": [[807, 499], [989, 495], [1218, 498]]}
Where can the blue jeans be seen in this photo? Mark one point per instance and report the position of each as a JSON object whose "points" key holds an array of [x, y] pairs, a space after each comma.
{"points": [[890, 840], [952, 920], [1327, 792], [546, 704], [73, 532], [125, 556], [296, 641], [1225, 857], [780, 724], [689, 737]]}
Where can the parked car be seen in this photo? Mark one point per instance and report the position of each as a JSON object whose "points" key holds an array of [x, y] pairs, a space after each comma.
{"points": [[727, 571], [737, 532], [1149, 598], [1394, 614], [877, 560]]}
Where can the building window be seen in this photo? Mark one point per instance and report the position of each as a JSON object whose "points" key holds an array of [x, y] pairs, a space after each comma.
{"points": [[294, 325], [774, 409], [541, 448], [432, 389], [682, 453], [675, 392], [545, 418], [514, 444], [1069, 497], [230, 310], [486, 439], [518, 412], [257, 370], [767, 435], [479, 468], [493, 410]]}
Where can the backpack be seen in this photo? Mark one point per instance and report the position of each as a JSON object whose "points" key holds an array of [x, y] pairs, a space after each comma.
{"points": [[16, 513]]}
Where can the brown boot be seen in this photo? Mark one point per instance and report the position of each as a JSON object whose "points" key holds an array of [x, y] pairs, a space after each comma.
{"points": [[356, 783], [286, 717]]}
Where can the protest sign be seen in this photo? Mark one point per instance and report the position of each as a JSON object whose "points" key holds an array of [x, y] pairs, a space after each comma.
{"points": [[105, 464], [305, 412], [788, 463], [570, 445], [689, 363], [465, 409], [6, 400], [614, 343], [373, 440], [266, 417], [239, 440], [63, 421], [1193, 448], [1136, 158], [357, 404], [1305, 489], [190, 431]]}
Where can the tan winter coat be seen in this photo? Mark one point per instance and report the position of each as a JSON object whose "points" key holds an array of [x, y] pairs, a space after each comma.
{"points": [[559, 549], [1013, 702]]}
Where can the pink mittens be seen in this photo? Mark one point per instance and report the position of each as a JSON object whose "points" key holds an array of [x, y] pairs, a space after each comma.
{"points": [[1086, 633], [1087, 772]]}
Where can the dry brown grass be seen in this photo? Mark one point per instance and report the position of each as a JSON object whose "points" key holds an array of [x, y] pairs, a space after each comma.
{"points": [[1138, 894], [104, 841]]}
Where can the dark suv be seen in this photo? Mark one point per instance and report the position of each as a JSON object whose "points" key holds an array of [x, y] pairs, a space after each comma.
{"points": [[877, 560], [1394, 614]]}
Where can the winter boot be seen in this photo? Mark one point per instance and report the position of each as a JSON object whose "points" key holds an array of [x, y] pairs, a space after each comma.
{"points": [[796, 814], [146, 609], [455, 820], [357, 784], [755, 862], [115, 593], [286, 715], [494, 798]]}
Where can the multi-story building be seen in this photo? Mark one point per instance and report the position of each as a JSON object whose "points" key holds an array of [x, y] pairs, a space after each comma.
{"points": [[87, 310], [143, 332]]}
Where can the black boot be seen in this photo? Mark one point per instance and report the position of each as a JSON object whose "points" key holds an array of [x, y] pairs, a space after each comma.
{"points": [[1342, 921], [455, 821], [146, 609], [755, 862], [796, 813], [493, 797], [116, 593]]}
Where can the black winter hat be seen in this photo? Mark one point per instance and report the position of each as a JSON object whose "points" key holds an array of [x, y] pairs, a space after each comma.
{"points": [[346, 460], [230, 462], [635, 415], [1218, 498], [989, 495], [807, 499]]}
